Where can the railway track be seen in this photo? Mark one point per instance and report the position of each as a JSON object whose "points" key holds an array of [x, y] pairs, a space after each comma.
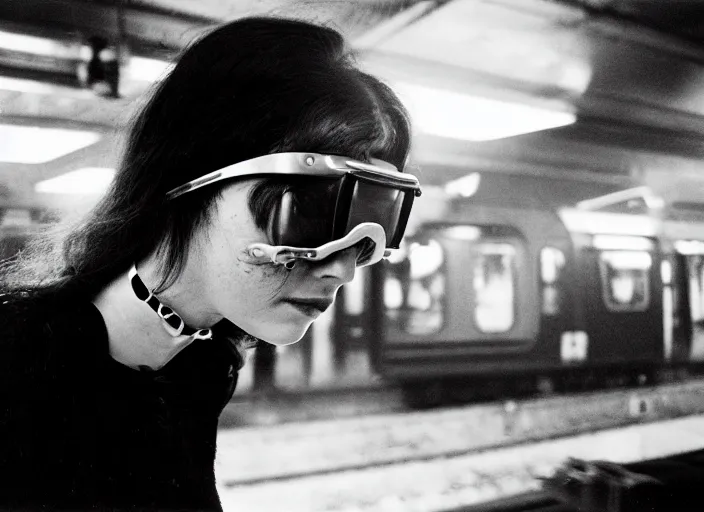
{"points": [[464, 483], [440, 459]]}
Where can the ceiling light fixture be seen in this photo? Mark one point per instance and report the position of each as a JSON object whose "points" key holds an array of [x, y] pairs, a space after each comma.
{"points": [[37, 45], [84, 181], [466, 186], [460, 116], [23, 85], [35, 145]]}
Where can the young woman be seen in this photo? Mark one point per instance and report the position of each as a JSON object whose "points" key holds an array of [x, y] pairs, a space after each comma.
{"points": [[263, 171]]}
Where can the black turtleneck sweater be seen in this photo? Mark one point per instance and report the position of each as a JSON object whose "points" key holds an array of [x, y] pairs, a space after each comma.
{"points": [[79, 431]]}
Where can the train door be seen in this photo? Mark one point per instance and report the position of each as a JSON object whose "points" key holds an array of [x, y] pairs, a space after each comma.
{"points": [[677, 318], [462, 301], [691, 304], [620, 292]]}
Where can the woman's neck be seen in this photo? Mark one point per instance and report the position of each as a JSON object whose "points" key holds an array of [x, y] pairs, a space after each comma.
{"points": [[136, 334]]}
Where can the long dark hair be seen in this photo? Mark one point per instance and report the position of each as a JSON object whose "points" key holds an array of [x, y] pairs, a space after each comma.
{"points": [[249, 88]]}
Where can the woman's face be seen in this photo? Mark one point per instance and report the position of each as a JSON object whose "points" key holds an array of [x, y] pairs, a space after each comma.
{"points": [[265, 300]]}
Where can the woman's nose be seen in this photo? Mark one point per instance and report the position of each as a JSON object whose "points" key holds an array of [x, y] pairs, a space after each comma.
{"points": [[340, 265]]}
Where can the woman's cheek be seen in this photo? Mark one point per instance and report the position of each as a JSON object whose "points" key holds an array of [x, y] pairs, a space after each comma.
{"points": [[264, 284]]}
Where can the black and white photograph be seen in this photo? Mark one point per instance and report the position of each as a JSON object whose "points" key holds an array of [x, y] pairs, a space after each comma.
{"points": [[352, 255]]}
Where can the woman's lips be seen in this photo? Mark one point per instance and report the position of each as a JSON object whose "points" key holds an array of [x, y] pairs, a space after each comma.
{"points": [[310, 307]]}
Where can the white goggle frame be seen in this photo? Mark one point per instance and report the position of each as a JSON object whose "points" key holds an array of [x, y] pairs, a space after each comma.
{"points": [[308, 164], [283, 254], [311, 164]]}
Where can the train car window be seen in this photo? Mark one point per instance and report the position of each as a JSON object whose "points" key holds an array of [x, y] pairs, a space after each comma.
{"points": [[494, 287], [625, 280], [414, 288], [552, 263], [696, 287]]}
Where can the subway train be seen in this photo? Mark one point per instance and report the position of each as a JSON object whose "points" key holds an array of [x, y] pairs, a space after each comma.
{"points": [[535, 284], [506, 281]]}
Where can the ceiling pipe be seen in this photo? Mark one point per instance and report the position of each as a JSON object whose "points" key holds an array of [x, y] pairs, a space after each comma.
{"points": [[151, 28], [605, 17]]}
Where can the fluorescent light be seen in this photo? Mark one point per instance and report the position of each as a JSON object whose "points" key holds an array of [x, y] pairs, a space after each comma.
{"points": [[632, 243], [463, 232], [85, 181], [579, 221], [39, 45], [34, 145], [147, 70], [460, 116], [27, 44], [466, 186]]}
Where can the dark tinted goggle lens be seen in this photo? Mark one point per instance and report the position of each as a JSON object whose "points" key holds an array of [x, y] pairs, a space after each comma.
{"points": [[382, 205], [316, 212], [306, 213]]}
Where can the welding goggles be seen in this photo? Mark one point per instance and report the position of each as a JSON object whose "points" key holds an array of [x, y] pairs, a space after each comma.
{"points": [[353, 204]]}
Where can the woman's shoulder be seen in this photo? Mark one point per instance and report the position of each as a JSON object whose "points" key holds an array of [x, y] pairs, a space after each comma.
{"points": [[35, 318], [20, 308], [22, 305]]}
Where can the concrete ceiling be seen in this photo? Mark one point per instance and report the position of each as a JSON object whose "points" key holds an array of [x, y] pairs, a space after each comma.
{"points": [[682, 18], [352, 17], [632, 70]]}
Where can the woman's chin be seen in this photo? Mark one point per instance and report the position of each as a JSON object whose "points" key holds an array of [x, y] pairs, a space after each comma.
{"points": [[281, 335]]}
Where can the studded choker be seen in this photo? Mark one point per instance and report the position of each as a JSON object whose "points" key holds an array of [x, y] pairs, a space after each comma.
{"points": [[170, 320]]}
